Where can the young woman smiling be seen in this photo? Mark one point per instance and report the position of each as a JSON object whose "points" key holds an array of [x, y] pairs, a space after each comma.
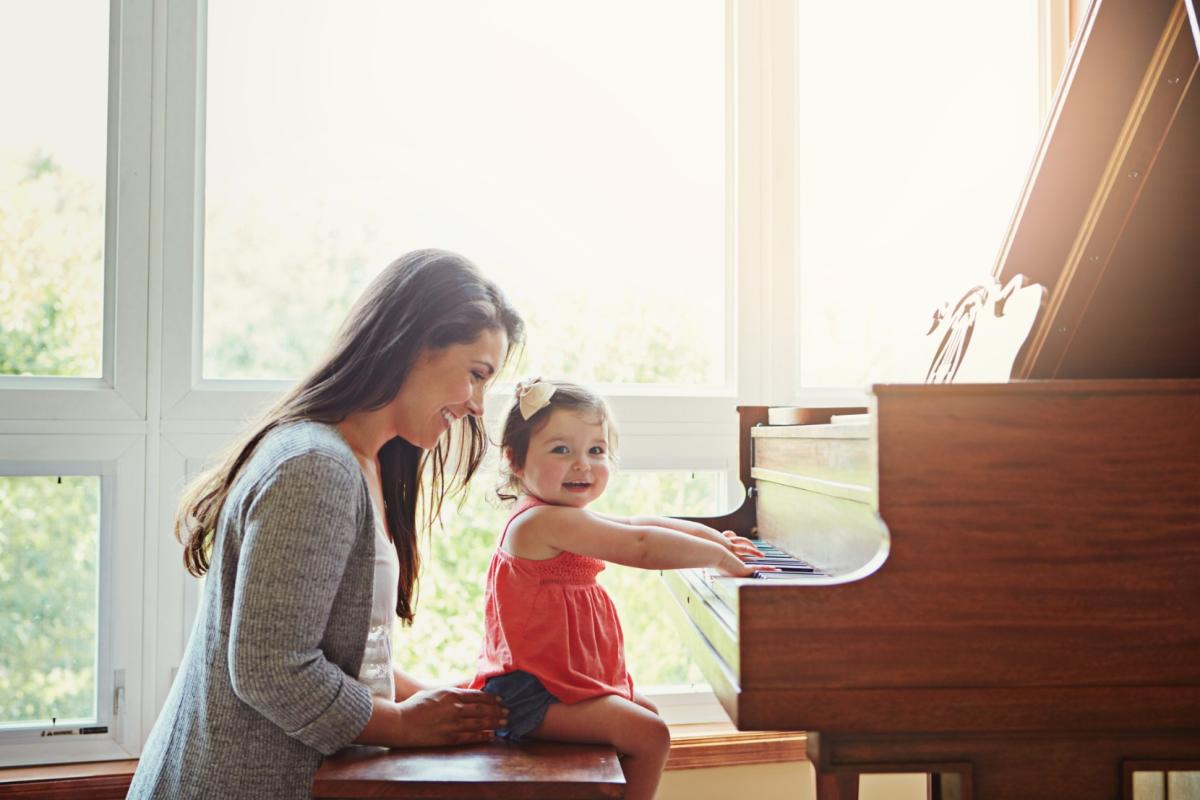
{"points": [[308, 533]]}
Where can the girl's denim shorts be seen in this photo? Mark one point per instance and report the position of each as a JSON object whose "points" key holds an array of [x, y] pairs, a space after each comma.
{"points": [[526, 700]]}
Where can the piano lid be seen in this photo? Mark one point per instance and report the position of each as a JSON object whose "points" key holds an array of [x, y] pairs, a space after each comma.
{"points": [[1109, 218]]}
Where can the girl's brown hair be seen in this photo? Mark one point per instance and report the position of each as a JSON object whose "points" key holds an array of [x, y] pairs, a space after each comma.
{"points": [[426, 299], [517, 431]]}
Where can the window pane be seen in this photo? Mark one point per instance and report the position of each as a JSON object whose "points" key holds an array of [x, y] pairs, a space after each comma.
{"points": [[49, 579], [590, 186], [53, 143], [444, 640], [916, 124]]}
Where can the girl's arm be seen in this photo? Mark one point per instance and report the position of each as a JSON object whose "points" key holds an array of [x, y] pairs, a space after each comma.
{"points": [[643, 546], [740, 545]]}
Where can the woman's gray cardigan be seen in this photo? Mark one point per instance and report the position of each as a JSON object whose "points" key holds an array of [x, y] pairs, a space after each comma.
{"points": [[264, 688]]}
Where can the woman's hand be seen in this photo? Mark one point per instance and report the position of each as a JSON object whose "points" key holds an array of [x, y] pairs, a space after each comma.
{"points": [[450, 716], [435, 717]]}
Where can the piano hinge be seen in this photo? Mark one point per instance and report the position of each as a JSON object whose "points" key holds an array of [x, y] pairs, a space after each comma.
{"points": [[750, 490]]}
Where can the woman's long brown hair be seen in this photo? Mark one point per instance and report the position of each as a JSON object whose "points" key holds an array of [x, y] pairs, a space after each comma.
{"points": [[426, 299]]}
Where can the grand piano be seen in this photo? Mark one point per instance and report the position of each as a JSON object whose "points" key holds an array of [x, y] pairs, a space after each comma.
{"points": [[998, 584]]}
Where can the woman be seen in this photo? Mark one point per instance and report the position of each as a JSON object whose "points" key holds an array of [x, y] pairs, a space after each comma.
{"points": [[308, 531]]}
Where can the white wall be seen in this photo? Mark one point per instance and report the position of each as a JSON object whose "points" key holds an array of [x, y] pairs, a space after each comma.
{"points": [[788, 781]]}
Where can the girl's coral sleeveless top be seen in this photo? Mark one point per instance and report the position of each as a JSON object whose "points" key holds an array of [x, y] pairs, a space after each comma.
{"points": [[552, 619]]}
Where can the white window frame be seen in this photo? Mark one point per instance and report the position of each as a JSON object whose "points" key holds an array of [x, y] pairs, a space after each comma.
{"points": [[120, 392], [119, 462], [96, 426]]}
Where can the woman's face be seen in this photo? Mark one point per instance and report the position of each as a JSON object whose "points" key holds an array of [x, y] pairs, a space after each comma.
{"points": [[444, 385]]}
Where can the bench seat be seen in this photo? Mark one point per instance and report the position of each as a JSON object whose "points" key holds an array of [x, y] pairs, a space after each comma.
{"points": [[493, 770]]}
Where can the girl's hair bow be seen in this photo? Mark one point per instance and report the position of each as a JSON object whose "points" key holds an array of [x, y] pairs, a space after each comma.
{"points": [[533, 395]]}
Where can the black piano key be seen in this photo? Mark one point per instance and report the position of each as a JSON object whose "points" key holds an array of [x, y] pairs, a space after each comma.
{"points": [[786, 565]]}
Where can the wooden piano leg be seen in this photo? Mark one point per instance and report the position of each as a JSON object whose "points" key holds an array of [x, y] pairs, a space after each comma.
{"points": [[950, 785], [837, 785], [942, 786], [1014, 766]]}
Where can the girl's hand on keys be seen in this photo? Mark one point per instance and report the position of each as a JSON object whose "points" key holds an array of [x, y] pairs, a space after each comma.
{"points": [[740, 545]]}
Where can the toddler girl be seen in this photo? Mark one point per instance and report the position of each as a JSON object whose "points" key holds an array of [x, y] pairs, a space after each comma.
{"points": [[553, 649]]}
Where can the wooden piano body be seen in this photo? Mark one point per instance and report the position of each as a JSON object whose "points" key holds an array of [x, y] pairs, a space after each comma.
{"points": [[1012, 591], [1015, 585]]}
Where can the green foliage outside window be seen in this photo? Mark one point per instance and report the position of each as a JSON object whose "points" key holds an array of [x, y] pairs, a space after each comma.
{"points": [[276, 290], [51, 296], [51, 270], [48, 586]]}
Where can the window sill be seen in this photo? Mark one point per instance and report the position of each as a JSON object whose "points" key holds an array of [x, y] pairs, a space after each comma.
{"points": [[95, 779], [692, 747]]}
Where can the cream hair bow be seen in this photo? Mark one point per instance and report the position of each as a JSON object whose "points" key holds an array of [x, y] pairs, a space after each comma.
{"points": [[533, 395]]}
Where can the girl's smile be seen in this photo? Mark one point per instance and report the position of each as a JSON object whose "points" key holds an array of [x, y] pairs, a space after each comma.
{"points": [[567, 461]]}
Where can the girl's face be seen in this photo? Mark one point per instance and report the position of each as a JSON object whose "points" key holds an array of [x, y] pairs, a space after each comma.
{"points": [[567, 462], [444, 385]]}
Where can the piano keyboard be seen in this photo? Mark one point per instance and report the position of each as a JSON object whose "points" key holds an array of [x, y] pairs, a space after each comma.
{"points": [[788, 566], [718, 591]]}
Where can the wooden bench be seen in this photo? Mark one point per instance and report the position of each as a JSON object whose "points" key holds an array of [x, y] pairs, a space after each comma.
{"points": [[496, 769]]}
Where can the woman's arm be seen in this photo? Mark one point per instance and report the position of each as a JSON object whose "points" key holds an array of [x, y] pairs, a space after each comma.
{"points": [[643, 546], [297, 531]]}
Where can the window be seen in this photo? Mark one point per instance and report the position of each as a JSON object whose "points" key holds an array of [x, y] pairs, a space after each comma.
{"points": [[71, 585], [73, 344], [905, 184], [52, 188], [592, 187], [49, 584]]}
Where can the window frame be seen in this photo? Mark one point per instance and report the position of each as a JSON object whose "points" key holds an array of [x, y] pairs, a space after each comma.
{"points": [[118, 460], [120, 392]]}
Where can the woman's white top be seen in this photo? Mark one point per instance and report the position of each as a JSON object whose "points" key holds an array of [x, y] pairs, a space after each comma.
{"points": [[376, 671]]}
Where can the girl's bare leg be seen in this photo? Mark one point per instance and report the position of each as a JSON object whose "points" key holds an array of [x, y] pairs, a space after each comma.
{"points": [[644, 701], [407, 685], [638, 734]]}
